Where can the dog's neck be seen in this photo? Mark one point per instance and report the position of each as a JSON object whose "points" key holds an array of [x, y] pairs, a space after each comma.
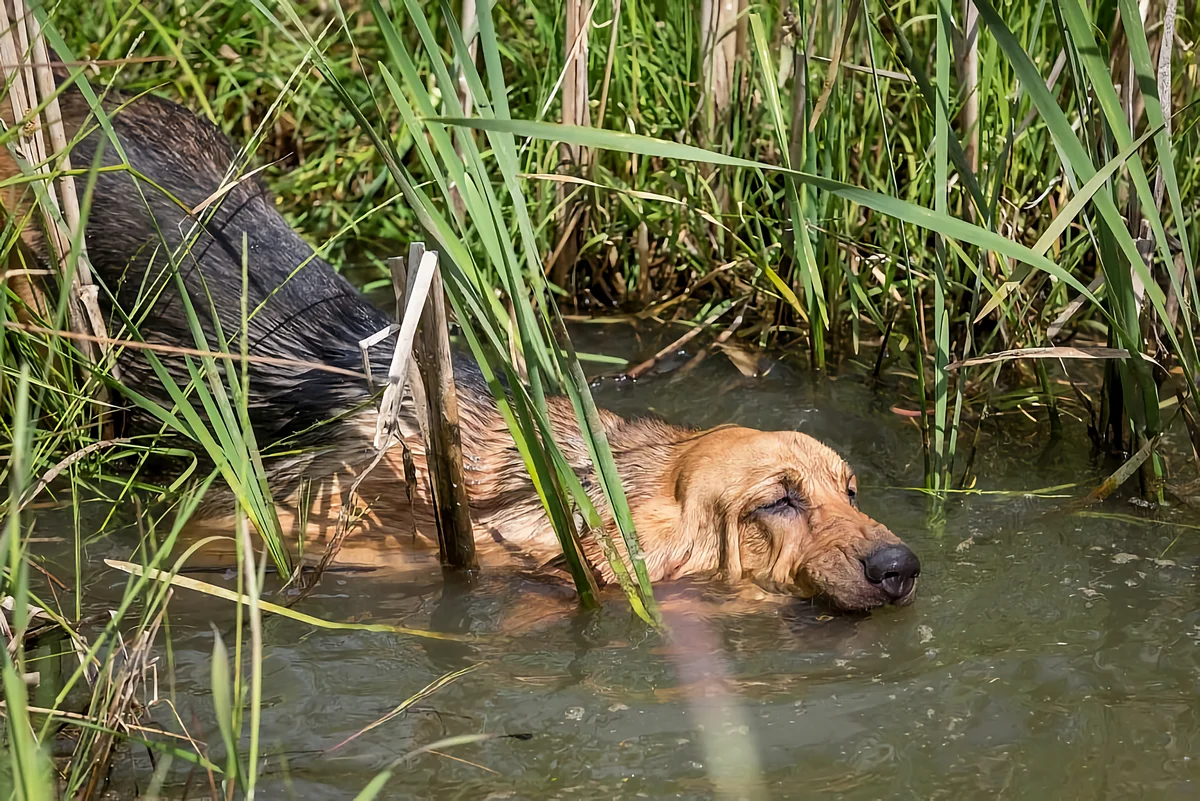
{"points": [[509, 517], [675, 541], [510, 523]]}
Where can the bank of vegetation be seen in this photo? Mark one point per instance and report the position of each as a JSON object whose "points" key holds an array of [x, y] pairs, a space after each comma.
{"points": [[991, 204]]}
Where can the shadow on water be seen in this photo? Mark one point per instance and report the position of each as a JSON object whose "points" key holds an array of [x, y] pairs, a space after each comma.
{"points": [[1047, 656]]}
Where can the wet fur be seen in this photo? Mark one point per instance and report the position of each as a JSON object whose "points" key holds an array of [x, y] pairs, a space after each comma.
{"points": [[696, 496]]}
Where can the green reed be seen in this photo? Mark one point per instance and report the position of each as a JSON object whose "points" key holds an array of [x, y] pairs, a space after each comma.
{"points": [[892, 232], [1059, 170], [54, 420]]}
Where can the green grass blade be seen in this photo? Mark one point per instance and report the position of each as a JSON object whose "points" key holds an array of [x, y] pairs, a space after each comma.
{"points": [[222, 695], [803, 251], [892, 207], [1084, 196], [169, 578], [1139, 50]]}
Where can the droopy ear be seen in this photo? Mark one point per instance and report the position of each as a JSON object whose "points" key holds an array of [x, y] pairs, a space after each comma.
{"points": [[699, 543], [731, 545]]}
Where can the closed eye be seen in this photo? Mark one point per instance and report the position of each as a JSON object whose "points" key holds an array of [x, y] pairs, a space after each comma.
{"points": [[788, 504]]}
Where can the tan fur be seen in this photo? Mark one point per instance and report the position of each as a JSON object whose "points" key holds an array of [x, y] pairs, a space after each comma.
{"points": [[693, 494]]}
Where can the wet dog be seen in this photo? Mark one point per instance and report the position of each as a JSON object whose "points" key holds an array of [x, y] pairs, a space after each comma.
{"points": [[778, 509]]}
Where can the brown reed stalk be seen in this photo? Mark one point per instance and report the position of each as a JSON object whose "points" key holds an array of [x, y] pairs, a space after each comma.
{"points": [[42, 148]]}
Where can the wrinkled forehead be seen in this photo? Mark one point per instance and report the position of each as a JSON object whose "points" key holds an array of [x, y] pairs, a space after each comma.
{"points": [[808, 459], [765, 455]]}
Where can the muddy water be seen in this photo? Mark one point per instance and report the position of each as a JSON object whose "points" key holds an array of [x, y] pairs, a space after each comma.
{"points": [[1046, 657]]}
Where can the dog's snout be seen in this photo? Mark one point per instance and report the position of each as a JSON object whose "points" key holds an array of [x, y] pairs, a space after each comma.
{"points": [[894, 568]]}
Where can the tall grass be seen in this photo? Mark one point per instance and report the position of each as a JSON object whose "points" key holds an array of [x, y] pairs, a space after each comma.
{"points": [[52, 422], [894, 122], [999, 271], [864, 199]]}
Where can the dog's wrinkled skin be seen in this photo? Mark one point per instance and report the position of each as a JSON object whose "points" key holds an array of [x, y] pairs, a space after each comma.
{"points": [[774, 508]]}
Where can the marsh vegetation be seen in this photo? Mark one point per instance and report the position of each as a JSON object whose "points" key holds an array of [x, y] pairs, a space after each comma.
{"points": [[984, 211]]}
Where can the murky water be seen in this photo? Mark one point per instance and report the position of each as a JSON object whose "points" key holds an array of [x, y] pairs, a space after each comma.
{"points": [[1046, 656]]}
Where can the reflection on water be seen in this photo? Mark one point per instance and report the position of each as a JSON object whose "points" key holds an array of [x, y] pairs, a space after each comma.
{"points": [[1045, 657]]}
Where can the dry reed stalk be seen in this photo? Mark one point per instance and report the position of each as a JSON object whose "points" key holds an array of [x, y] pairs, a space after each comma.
{"points": [[1139, 226], [718, 39], [968, 77], [32, 86], [1165, 48], [574, 112], [469, 22], [470, 26], [720, 342], [18, 278], [741, 47], [435, 405], [637, 371], [721, 41], [645, 287]]}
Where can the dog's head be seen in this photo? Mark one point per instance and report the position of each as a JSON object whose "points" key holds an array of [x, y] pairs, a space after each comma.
{"points": [[781, 508]]}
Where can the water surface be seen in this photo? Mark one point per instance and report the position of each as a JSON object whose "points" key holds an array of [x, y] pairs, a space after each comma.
{"points": [[1047, 656]]}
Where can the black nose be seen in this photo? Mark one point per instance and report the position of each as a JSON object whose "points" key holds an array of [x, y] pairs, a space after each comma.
{"points": [[894, 568]]}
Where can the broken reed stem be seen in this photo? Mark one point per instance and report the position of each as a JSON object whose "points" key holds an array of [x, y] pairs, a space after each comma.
{"points": [[402, 374], [424, 267], [443, 446], [402, 287], [31, 85], [435, 405]]}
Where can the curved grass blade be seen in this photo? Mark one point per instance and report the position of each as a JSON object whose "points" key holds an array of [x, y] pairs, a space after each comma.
{"points": [[649, 146], [403, 706], [592, 428], [167, 577], [1086, 192], [802, 242]]}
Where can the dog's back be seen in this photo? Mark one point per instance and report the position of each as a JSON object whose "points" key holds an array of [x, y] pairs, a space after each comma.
{"points": [[166, 211]]}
